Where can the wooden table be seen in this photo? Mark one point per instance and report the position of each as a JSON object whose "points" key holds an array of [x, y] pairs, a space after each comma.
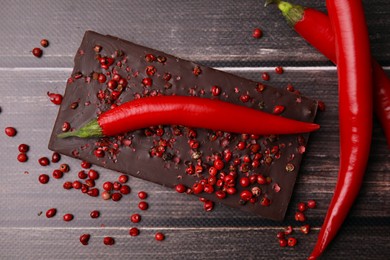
{"points": [[215, 33]]}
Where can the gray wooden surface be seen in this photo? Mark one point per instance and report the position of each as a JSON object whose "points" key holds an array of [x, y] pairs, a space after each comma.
{"points": [[216, 33]]}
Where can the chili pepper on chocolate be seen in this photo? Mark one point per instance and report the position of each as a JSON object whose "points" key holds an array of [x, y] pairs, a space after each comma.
{"points": [[314, 26], [191, 112], [355, 112]]}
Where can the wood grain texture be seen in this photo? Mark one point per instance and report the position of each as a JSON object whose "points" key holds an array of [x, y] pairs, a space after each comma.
{"points": [[217, 34]]}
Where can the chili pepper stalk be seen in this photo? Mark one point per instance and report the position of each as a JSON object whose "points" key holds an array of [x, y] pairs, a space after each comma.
{"points": [[191, 112], [314, 26]]}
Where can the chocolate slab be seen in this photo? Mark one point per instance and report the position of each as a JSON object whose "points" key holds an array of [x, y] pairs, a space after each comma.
{"points": [[169, 155]]}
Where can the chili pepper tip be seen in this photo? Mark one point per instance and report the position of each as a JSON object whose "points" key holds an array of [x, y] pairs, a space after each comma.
{"points": [[91, 129]]}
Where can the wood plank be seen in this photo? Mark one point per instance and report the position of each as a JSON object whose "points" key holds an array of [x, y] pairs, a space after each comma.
{"points": [[187, 243], [217, 33]]}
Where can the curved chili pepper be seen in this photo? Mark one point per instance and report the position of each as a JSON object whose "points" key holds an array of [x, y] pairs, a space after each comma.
{"points": [[314, 26], [191, 112], [355, 112]]}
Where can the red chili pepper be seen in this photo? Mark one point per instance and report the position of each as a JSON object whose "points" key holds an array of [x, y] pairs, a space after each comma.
{"points": [[314, 26], [191, 112], [355, 112]]}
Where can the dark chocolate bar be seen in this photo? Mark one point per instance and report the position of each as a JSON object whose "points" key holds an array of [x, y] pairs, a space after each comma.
{"points": [[169, 155]]}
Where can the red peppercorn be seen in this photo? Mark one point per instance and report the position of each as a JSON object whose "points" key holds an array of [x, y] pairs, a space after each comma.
{"points": [[134, 232], [101, 78], [123, 178], [106, 195], [84, 188], [197, 188], [261, 179], [265, 76], [180, 188], [93, 175], [305, 229], [116, 186], [265, 202], [279, 70], [291, 241], [257, 33], [84, 239], [76, 185], [280, 235], [22, 157], [301, 206], [107, 186], [215, 91], [147, 82], [37, 52], [241, 145], [311, 204], [135, 218], [65, 127], [85, 165], [51, 213], [44, 43], [208, 205], [94, 214], [283, 242], [93, 192], [43, 178], [68, 217], [246, 195], [196, 71], [57, 174], [55, 98], [299, 216], [44, 161], [90, 183], [142, 195], [23, 148], [125, 189], [67, 185], [278, 109], [143, 205], [10, 131], [82, 175], [150, 57], [244, 98], [64, 168], [220, 194], [99, 153], [56, 157], [288, 230], [219, 164], [108, 241], [159, 236], [116, 196]]}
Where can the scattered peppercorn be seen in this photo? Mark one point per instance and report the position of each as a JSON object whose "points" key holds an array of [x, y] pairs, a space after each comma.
{"points": [[159, 236], [44, 43], [94, 214], [143, 205], [37, 52], [84, 239], [51, 213], [10, 131], [68, 217], [108, 241], [134, 232], [43, 178], [257, 33], [135, 218], [142, 195]]}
